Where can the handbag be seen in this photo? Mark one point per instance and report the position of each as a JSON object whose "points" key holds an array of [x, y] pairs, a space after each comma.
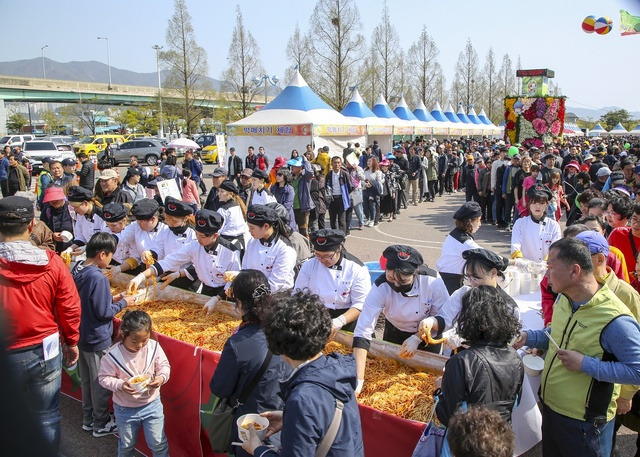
{"points": [[223, 415], [433, 442]]}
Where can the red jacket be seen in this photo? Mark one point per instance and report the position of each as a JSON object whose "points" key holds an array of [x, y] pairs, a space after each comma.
{"points": [[38, 301]]}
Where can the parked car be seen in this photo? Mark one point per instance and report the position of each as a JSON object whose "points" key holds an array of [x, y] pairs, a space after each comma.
{"points": [[61, 139], [148, 150], [37, 150], [96, 144], [135, 136], [14, 140], [209, 148]]}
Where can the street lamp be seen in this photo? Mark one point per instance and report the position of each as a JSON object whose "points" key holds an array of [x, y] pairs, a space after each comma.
{"points": [[157, 48], [44, 72], [108, 59], [264, 79]]}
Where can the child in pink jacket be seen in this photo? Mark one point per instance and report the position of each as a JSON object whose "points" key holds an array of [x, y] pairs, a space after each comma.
{"points": [[137, 403]]}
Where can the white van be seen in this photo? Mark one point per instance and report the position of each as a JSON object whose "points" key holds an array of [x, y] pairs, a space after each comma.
{"points": [[15, 140]]}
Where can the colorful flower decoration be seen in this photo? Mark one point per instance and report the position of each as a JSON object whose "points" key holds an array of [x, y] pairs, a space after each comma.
{"points": [[534, 120]]}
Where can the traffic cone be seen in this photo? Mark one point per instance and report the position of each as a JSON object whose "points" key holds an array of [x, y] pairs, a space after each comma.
{"points": [[155, 171]]}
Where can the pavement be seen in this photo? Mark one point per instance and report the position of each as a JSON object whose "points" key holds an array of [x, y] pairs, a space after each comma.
{"points": [[424, 227]]}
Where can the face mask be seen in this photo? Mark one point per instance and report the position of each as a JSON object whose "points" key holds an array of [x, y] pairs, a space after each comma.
{"points": [[179, 230], [400, 289]]}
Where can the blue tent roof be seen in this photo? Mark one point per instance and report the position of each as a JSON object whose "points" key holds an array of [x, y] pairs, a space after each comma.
{"points": [[618, 128], [382, 110], [422, 114], [402, 111], [297, 96], [473, 117], [462, 116], [483, 118], [598, 128], [449, 114], [436, 112], [357, 107]]}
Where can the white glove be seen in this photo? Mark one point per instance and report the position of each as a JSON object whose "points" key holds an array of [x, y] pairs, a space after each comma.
{"points": [[452, 337], [409, 347], [169, 279], [425, 326], [338, 322], [522, 264], [112, 271], [359, 386], [211, 304], [69, 250], [135, 283]]}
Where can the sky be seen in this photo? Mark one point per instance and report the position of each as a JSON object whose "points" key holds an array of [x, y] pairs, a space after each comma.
{"points": [[594, 71]]}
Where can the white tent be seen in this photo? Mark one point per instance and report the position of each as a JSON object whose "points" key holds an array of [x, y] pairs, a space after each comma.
{"points": [[618, 130], [419, 127], [400, 126], [444, 126], [636, 130], [295, 118], [598, 130], [378, 129], [492, 129]]}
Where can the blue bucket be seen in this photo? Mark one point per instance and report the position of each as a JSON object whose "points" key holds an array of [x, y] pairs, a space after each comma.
{"points": [[375, 270]]}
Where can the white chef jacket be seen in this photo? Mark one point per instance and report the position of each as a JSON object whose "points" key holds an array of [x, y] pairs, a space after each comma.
{"points": [[85, 227], [342, 286], [276, 259], [533, 238], [174, 243], [122, 250], [454, 245], [404, 311], [139, 241], [234, 223], [210, 264], [261, 197]]}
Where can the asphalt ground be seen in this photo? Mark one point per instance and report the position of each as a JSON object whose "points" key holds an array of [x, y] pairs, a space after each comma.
{"points": [[424, 227]]}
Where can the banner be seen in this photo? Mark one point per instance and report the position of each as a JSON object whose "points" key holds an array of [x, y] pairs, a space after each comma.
{"points": [[339, 130], [629, 24], [276, 130], [380, 129]]}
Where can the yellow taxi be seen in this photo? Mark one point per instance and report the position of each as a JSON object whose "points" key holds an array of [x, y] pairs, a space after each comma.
{"points": [[209, 148], [135, 136], [96, 144]]}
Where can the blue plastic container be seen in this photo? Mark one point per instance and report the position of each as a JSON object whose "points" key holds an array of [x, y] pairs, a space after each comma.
{"points": [[375, 270]]}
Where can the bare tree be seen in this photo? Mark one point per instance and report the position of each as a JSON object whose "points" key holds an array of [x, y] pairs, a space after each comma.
{"points": [[467, 75], [439, 93], [507, 83], [519, 80], [187, 65], [491, 99], [87, 113], [337, 47], [424, 67], [299, 54], [369, 79], [386, 44], [244, 64], [403, 86]]}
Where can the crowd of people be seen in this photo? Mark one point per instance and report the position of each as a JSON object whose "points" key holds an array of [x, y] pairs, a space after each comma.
{"points": [[259, 238]]}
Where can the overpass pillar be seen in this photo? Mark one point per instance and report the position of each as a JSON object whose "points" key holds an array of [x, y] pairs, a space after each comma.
{"points": [[3, 118]]}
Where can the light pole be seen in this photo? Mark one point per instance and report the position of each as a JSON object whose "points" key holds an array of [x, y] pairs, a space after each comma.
{"points": [[157, 48], [108, 58], [264, 79], [44, 72]]}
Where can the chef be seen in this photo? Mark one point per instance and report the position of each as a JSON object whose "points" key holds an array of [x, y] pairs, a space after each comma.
{"points": [[88, 218], [340, 279], [259, 194], [115, 217], [210, 255], [407, 293]]}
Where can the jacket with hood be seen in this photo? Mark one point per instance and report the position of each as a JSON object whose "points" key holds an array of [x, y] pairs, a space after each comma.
{"points": [[38, 295], [309, 396], [98, 309]]}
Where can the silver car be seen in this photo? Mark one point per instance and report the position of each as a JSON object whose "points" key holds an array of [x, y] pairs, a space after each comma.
{"points": [[147, 150], [37, 150]]}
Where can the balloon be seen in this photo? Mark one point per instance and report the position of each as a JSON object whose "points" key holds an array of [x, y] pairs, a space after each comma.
{"points": [[602, 26], [513, 151], [587, 24], [627, 146]]}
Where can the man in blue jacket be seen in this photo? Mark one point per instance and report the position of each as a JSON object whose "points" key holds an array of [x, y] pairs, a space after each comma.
{"points": [[298, 329], [302, 203], [4, 173]]}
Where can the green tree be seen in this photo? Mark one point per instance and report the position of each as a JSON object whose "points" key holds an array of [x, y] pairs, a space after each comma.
{"points": [[15, 122], [611, 119], [127, 119]]}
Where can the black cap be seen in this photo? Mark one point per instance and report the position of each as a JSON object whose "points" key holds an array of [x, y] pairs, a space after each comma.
{"points": [[488, 257], [229, 186], [403, 257], [16, 210], [549, 156], [175, 207], [539, 190], [470, 210], [261, 214], [219, 172], [258, 173], [134, 171], [114, 212], [48, 160], [208, 222], [68, 163], [327, 239], [145, 209], [325, 148], [281, 211], [79, 194], [616, 176]]}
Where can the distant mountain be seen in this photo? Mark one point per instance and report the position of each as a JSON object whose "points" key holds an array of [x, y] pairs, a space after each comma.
{"points": [[595, 114], [92, 71]]}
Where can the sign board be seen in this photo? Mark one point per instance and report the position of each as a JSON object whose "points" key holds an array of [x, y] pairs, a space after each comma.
{"points": [[169, 187], [535, 86], [222, 149]]}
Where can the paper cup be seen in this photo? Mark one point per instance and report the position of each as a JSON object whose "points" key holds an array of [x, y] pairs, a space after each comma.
{"points": [[66, 236], [533, 365], [260, 423], [140, 382]]}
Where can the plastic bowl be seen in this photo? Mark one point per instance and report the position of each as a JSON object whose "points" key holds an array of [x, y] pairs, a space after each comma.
{"points": [[533, 365], [243, 426], [375, 270], [140, 382]]}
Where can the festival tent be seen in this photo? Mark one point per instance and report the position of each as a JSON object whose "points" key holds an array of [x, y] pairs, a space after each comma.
{"points": [[419, 127], [485, 120], [422, 114], [571, 129], [597, 130], [444, 125], [460, 128], [471, 128], [295, 118], [473, 117], [636, 130], [619, 130], [383, 111], [377, 128]]}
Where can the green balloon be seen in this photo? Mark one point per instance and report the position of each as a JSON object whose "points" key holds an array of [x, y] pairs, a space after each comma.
{"points": [[627, 145], [513, 151]]}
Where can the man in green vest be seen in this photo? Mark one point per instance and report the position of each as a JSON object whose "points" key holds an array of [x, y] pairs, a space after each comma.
{"points": [[598, 349], [44, 179]]}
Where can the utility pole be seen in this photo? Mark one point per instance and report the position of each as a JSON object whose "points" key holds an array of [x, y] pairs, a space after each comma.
{"points": [[108, 59], [158, 48], [44, 72]]}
